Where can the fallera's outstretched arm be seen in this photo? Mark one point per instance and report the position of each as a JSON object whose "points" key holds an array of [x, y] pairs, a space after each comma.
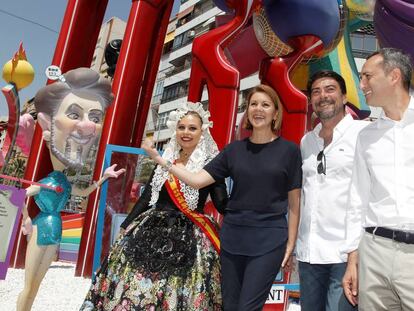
{"points": [[196, 180]]}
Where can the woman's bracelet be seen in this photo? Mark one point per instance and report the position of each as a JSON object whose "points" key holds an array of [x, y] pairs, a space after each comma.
{"points": [[168, 165]]}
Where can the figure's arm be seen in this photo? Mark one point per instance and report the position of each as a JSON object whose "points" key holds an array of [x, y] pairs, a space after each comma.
{"points": [[219, 196], [196, 180], [32, 190], [109, 173], [26, 220], [293, 224], [142, 204]]}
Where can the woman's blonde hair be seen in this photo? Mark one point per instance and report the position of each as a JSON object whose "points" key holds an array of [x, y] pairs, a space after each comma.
{"points": [[269, 91]]}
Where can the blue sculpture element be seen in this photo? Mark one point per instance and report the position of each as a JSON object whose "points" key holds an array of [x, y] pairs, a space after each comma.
{"points": [[51, 202], [292, 18]]}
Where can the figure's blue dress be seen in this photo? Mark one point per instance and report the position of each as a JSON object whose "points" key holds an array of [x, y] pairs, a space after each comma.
{"points": [[50, 203]]}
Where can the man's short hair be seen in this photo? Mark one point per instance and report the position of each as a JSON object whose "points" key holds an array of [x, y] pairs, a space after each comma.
{"points": [[396, 58], [326, 74]]}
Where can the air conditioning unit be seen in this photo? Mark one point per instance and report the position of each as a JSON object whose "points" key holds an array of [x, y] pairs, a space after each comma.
{"points": [[191, 34]]}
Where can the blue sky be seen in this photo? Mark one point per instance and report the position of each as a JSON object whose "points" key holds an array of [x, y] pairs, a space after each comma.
{"points": [[39, 42]]}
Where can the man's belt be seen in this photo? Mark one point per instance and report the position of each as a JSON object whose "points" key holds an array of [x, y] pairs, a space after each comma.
{"points": [[396, 235]]}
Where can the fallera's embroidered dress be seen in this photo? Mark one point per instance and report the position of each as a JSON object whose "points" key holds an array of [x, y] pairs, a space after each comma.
{"points": [[164, 262]]}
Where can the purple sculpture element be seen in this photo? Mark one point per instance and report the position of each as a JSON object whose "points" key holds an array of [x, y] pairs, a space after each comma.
{"points": [[394, 24]]}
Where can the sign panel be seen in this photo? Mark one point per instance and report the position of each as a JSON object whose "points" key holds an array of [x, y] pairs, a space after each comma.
{"points": [[11, 204], [276, 295]]}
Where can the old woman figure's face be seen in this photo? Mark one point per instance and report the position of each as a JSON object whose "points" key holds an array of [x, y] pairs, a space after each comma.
{"points": [[77, 123]]}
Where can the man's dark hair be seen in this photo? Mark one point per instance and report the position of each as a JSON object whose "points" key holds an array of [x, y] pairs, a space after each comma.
{"points": [[326, 74]]}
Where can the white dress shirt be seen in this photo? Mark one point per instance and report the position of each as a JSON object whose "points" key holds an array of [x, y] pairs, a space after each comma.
{"points": [[324, 197], [382, 187]]}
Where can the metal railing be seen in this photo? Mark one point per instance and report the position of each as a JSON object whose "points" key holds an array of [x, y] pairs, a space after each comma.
{"points": [[179, 94], [178, 69]]}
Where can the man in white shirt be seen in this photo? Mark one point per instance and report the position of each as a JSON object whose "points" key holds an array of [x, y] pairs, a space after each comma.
{"points": [[328, 155], [380, 215]]}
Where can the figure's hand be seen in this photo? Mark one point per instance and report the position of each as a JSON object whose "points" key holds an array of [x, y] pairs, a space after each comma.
{"points": [[288, 259], [350, 282], [27, 227], [148, 146], [111, 173]]}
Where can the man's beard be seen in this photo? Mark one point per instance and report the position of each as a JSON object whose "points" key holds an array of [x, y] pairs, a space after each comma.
{"points": [[64, 158], [326, 115]]}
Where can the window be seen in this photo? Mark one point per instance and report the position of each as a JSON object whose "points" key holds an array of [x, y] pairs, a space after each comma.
{"points": [[202, 7], [363, 44], [167, 47], [159, 89], [162, 120], [175, 91], [184, 20], [184, 38], [357, 42], [178, 40], [370, 43]]}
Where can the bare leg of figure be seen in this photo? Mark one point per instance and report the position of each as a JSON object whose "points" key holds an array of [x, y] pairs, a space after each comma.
{"points": [[38, 260]]}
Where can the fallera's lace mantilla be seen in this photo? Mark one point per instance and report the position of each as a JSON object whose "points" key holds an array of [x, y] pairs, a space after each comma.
{"points": [[205, 151]]}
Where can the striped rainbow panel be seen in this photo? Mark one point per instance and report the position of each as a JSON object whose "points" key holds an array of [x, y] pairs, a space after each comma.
{"points": [[72, 225]]}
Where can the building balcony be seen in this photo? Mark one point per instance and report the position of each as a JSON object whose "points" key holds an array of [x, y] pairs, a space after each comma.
{"points": [[177, 70], [179, 94]]}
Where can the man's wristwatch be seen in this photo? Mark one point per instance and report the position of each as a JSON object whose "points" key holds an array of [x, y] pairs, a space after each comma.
{"points": [[167, 166]]}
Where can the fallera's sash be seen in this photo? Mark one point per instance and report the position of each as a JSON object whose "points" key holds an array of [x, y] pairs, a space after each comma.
{"points": [[205, 224]]}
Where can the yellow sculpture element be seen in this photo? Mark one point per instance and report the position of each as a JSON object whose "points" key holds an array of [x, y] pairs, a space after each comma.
{"points": [[362, 9], [18, 70]]}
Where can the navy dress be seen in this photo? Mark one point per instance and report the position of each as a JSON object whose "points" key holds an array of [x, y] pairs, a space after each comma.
{"points": [[254, 231]]}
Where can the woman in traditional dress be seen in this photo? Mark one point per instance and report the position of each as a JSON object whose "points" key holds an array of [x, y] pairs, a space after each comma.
{"points": [[168, 255]]}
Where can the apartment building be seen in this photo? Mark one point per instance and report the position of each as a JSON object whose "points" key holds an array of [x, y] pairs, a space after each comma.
{"points": [[194, 18], [112, 29]]}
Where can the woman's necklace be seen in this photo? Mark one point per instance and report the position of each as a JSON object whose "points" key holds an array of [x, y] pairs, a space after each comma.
{"points": [[184, 155]]}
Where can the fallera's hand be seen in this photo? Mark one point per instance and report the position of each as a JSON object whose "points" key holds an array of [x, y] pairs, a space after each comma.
{"points": [[148, 146]]}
